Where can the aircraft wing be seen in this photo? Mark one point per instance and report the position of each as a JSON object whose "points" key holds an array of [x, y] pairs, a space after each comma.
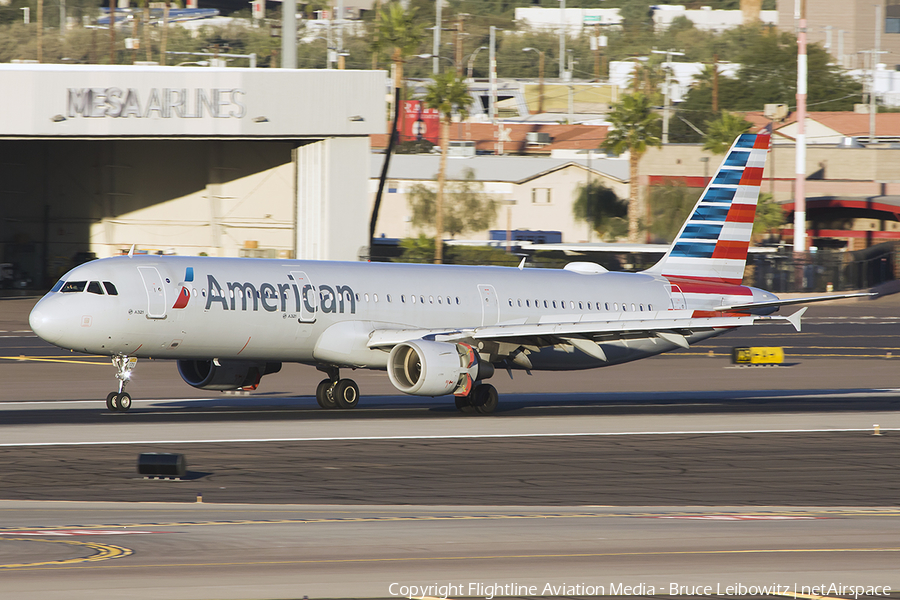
{"points": [[788, 301], [584, 335]]}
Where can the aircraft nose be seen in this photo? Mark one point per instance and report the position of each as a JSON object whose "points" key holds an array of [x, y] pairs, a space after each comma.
{"points": [[46, 322]]}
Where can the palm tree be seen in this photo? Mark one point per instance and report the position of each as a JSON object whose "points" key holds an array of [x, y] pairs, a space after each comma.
{"points": [[447, 94], [721, 133], [397, 29], [634, 127]]}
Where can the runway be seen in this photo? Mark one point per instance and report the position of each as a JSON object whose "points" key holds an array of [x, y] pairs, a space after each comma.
{"points": [[679, 470]]}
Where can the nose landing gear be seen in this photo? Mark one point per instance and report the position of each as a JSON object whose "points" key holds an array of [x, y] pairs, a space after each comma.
{"points": [[121, 401]]}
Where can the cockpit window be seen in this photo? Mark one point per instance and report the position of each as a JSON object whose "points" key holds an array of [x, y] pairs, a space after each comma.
{"points": [[58, 285], [73, 286], [110, 288], [94, 288]]}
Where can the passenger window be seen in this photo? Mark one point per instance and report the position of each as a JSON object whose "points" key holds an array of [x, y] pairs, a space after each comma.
{"points": [[527, 303], [633, 307], [375, 297], [430, 299], [388, 297], [421, 299], [649, 307], [554, 304], [58, 285], [448, 300], [606, 305], [413, 299], [73, 286], [440, 300], [94, 288], [510, 302], [519, 301]]}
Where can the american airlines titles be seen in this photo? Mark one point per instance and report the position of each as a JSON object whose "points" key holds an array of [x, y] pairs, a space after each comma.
{"points": [[275, 297], [183, 103]]}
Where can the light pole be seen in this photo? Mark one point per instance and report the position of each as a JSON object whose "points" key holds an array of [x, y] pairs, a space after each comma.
{"points": [[540, 77], [669, 54], [472, 60], [450, 60]]}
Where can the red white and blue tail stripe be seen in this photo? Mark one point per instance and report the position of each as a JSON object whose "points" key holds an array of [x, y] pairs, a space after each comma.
{"points": [[712, 245]]}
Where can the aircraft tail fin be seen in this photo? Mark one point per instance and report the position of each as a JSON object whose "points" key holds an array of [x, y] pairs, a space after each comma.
{"points": [[713, 243]]}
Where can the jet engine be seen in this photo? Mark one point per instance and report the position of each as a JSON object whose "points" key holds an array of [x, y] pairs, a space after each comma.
{"points": [[427, 368], [224, 375]]}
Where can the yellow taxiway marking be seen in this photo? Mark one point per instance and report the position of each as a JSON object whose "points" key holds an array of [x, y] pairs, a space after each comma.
{"points": [[422, 559], [103, 552], [77, 361], [833, 513]]}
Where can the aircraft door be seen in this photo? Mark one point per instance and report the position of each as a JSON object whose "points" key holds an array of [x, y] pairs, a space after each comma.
{"points": [[676, 298], [490, 307], [156, 293], [308, 296]]}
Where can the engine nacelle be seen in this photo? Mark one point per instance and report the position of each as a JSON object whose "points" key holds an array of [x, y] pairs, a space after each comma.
{"points": [[225, 374], [427, 368]]}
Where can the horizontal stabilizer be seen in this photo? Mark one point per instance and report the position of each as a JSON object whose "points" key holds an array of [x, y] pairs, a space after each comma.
{"points": [[788, 301]]}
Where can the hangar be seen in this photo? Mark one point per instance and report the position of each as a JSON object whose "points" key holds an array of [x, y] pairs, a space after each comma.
{"points": [[223, 162]]}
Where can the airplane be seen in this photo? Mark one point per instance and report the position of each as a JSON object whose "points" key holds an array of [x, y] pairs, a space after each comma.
{"points": [[436, 329]]}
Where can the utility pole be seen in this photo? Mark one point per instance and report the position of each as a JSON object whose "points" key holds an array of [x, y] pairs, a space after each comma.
{"points": [[40, 31], [492, 59], [715, 84], [800, 163], [669, 54], [540, 77], [595, 42], [289, 34], [459, 45], [571, 88], [112, 31], [562, 38], [340, 43], [872, 107], [436, 45]]}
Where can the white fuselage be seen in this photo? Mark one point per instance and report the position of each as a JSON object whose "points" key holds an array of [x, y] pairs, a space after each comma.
{"points": [[259, 309]]}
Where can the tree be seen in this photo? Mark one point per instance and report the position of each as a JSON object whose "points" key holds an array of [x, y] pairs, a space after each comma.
{"points": [[398, 30], [769, 215], [447, 95], [634, 127], [598, 206], [670, 205], [721, 133], [467, 207]]}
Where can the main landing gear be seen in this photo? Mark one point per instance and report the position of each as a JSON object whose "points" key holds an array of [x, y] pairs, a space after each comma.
{"points": [[336, 392], [482, 398], [121, 401]]}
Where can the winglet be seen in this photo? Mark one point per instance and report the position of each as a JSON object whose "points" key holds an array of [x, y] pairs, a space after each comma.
{"points": [[794, 319], [131, 252], [522, 264]]}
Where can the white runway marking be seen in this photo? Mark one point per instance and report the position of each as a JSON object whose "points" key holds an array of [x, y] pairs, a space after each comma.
{"points": [[441, 437]]}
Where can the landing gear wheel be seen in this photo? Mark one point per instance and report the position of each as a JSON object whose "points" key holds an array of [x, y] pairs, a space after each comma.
{"points": [[485, 398], [124, 401], [325, 394], [346, 393], [464, 403], [112, 401]]}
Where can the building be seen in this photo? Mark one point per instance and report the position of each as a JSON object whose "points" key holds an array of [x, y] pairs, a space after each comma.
{"points": [[533, 193], [225, 162], [846, 28], [540, 139]]}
